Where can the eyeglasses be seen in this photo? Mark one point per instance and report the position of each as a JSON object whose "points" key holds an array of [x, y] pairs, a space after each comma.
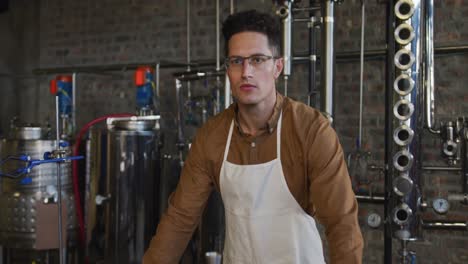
{"points": [[257, 61]]}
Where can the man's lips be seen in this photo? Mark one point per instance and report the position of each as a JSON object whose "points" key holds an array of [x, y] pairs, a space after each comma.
{"points": [[247, 87]]}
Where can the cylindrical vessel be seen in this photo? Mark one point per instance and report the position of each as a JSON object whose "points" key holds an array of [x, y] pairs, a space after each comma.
{"points": [[29, 218], [123, 190], [407, 108]]}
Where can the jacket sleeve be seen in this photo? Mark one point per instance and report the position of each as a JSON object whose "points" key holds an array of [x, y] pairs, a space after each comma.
{"points": [[332, 197], [185, 207]]}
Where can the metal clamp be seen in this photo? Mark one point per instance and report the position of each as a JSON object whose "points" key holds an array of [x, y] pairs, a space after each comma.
{"points": [[56, 156]]}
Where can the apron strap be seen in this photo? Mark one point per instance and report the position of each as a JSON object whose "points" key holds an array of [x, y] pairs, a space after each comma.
{"points": [[228, 142], [278, 136]]}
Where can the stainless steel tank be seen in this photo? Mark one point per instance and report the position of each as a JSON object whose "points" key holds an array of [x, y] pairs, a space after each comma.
{"points": [[29, 215], [123, 190]]}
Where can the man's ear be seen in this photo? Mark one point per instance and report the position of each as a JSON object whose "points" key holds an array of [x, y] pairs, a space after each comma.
{"points": [[278, 67]]}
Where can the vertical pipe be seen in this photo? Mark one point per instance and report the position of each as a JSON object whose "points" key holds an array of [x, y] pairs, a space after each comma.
{"points": [[158, 74], [464, 157], [218, 60], [231, 7], [180, 118], [407, 105], [361, 72], [59, 183], [227, 92], [312, 57], [218, 64], [189, 93], [287, 39], [429, 67], [389, 78], [73, 103], [327, 59]]}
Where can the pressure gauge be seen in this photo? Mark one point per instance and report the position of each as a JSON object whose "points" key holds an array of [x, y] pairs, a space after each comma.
{"points": [[440, 205], [374, 220]]}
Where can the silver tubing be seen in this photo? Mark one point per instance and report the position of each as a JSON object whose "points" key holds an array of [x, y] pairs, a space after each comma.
{"points": [[231, 7], [285, 85], [218, 64], [73, 117], [327, 59], [180, 107], [407, 105], [218, 61], [361, 73], [429, 68], [59, 183], [285, 13], [370, 198], [158, 75], [227, 92], [446, 225], [189, 92]]}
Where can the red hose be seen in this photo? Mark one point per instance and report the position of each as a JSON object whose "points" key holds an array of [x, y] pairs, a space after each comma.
{"points": [[76, 189]]}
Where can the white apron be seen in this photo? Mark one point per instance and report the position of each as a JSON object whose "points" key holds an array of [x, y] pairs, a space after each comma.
{"points": [[264, 222]]}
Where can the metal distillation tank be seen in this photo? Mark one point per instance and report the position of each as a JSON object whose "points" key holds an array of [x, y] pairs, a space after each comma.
{"points": [[123, 189], [29, 212]]}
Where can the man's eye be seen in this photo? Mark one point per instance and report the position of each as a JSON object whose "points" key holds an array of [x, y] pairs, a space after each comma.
{"points": [[236, 61], [257, 60]]}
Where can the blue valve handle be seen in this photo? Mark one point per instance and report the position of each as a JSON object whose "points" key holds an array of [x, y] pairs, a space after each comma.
{"points": [[31, 163]]}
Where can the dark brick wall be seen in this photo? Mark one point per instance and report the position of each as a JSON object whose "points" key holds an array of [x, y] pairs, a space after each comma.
{"points": [[81, 33]]}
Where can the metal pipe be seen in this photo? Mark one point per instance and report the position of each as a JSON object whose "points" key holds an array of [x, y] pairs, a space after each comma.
{"points": [[361, 72], [429, 67], [464, 158], [301, 20], [428, 168], [389, 78], [231, 7], [463, 198], [312, 58], [197, 75], [440, 168], [218, 60], [59, 183], [116, 67], [370, 198], [347, 56], [227, 92], [189, 92], [285, 78], [218, 64], [310, 8], [158, 75], [285, 12], [328, 55], [180, 107], [445, 225], [73, 118]]}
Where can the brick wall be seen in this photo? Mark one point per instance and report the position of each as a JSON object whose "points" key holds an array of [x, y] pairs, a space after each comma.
{"points": [[80, 33]]}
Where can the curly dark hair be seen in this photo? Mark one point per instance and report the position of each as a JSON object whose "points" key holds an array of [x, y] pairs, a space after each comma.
{"points": [[253, 20]]}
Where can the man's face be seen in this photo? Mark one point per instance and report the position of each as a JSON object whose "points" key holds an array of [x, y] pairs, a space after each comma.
{"points": [[253, 81]]}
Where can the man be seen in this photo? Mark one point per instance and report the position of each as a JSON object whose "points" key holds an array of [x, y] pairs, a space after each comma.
{"points": [[277, 164]]}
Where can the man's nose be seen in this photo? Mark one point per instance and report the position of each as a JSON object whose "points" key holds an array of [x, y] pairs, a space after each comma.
{"points": [[246, 68]]}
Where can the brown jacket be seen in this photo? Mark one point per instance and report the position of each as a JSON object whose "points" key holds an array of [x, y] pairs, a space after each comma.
{"points": [[314, 168]]}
